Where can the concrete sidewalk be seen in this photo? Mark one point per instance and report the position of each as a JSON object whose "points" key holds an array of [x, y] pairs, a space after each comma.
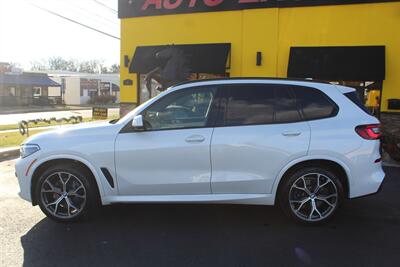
{"points": [[10, 119], [16, 110], [35, 128]]}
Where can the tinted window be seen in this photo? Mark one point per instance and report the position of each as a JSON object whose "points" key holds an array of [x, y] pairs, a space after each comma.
{"points": [[353, 96], [314, 103], [184, 109], [249, 104], [286, 109]]}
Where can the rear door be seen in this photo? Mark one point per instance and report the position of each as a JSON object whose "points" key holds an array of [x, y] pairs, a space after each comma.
{"points": [[259, 130]]}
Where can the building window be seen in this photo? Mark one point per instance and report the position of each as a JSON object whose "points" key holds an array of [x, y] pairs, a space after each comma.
{"points": [[37, 91], [11, 91]]}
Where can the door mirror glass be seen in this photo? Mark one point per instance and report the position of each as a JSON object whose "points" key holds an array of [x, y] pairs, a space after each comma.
{"points": [[137, 123]]}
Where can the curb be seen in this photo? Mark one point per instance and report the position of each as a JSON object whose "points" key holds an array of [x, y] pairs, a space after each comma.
{"points": [[7, 153], [11, 112]]}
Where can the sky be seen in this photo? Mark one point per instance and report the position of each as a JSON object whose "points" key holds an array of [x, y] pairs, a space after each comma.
{"points": [[29, 34]]}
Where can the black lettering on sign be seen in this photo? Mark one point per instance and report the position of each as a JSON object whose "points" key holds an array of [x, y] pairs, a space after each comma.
{"points": [[140, 8], [99, 113]]}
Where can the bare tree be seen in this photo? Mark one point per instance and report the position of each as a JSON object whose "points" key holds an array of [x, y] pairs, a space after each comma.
{"points": [[39, 65], [88, 66], [114, 68]]}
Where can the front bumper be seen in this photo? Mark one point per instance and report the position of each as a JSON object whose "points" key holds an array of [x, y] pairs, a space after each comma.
{"points": [[24, 180]]}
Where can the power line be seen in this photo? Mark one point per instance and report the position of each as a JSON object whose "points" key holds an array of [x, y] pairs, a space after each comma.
{"points": [[76, 22], [104, 5], [85, 12]]}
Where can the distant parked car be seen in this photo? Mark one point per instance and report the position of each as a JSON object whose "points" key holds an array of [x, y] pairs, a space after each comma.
{"points": [[303, 145]]}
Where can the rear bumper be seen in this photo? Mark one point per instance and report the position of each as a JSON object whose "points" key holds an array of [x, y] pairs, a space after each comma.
{"points": [[380, 187], [372, 194], [368, 185]]}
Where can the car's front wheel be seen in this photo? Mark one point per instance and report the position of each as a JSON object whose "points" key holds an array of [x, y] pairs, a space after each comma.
{"points": [[65, 193], [311, 195]]}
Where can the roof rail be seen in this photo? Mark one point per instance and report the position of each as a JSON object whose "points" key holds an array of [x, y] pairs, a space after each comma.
{"points": [[253, 78]]}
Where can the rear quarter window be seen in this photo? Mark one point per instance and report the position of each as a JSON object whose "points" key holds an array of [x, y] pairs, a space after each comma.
{"points": [[353, 97], [314, 104]]}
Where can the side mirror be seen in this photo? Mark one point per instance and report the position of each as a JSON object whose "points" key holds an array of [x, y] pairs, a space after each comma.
{"points": [[137, 123]]}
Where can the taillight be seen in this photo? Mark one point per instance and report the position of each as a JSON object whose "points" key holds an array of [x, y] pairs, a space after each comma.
{"points": [[370, 131]]}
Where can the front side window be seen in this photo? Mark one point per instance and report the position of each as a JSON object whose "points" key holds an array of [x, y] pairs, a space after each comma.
{"points": [[187, 108]]}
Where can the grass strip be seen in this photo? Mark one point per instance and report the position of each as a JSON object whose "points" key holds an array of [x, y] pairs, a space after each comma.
{"points": [[15, 138], [43, 124]]}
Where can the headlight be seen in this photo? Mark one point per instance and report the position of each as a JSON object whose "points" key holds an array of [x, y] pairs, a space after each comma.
{"points": [[28, 149]]}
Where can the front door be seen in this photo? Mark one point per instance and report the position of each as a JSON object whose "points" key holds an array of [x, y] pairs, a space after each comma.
{"points": [[172, 155]]}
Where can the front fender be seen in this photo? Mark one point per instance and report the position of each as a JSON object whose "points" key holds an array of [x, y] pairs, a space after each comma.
{"points": [[79, 158]]}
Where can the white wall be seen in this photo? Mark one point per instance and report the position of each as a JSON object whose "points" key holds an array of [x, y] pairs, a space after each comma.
{"points": [[72, 85], [72, 91], [55, 91]]}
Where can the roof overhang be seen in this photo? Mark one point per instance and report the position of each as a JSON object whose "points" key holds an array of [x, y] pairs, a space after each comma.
{"points": [[199, 58], [339, 63], [27, 79]]}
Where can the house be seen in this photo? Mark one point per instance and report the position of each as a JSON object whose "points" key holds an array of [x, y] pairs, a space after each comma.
{"points": [[18, 88]]}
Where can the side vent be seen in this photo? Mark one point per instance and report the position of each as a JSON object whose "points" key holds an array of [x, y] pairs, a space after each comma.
{"points": [[108, 176]]}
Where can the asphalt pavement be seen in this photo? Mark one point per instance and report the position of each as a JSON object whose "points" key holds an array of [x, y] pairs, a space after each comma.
{"points": [[366, 232]]}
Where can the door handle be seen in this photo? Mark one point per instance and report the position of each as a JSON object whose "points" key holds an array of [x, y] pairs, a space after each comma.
{"points": [[195, 139], [291, 133]]}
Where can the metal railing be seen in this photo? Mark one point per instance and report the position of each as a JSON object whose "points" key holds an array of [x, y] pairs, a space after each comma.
{"points": [[24, 125]]}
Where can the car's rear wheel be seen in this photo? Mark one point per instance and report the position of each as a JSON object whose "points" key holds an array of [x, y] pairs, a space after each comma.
{"points": [[65, 193], [311, 195]]}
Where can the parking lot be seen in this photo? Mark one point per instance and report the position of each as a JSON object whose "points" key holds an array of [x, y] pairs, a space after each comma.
{"points": [[366, 232]]}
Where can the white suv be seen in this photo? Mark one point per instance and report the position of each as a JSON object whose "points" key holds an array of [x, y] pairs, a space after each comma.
{"points": [[303, 145]]}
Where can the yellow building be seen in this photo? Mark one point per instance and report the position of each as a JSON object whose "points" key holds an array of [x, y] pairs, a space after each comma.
{"points": [[353, 42]]}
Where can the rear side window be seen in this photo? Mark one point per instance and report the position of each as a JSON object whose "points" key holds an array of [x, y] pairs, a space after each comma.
{"points": [[286, 109], [248, 104], [253, 104], [314, 104], [353, 96]]}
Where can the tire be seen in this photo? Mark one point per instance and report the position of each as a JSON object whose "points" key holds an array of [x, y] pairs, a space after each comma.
{"points": [[302, 200], [66, 193]]}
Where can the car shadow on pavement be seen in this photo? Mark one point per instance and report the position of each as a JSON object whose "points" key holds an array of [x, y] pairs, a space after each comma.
{"points": [[366, 232]]}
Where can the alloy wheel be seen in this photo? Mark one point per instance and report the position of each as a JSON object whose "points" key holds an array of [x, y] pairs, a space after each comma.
{"points": [[63, 195], [313, 197]]}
